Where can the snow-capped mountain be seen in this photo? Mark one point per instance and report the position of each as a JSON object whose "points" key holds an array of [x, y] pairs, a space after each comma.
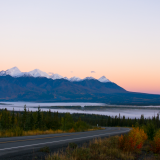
{"points": [[88, 78], [38, 73], [66, 78], [75, 79], [56, 76], [104, 79], [15, 72], [3, 73]]}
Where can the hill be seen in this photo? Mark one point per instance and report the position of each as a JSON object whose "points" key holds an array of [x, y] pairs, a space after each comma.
{"points": [[42, 89]]}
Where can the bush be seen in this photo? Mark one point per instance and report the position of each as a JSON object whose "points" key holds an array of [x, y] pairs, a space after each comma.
{"points": [[73, 145], [150, 129], [133, 141], [81, 154], [155, 144], [81, 126], [126, 143], [98, 149], [45, 149], [71, 130]]}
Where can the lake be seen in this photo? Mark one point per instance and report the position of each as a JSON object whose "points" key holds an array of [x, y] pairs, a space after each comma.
{"points": [[100, 108]]}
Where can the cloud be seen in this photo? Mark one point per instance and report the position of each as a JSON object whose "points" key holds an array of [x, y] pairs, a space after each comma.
{"points": [[93, 72]]}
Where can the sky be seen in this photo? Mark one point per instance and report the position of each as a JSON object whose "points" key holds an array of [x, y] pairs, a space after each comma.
{"points": [[116, 39]]}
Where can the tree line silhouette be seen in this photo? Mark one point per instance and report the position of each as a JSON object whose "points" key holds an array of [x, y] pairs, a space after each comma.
{"points": [[28, 120], [42, 120]]}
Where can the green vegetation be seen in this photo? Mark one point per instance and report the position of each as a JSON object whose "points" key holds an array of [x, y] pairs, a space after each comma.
{"points": [[30, 123], [45, 149], [13, 123], [143, 141], [98, 149], [150, 126], [132, 146]]}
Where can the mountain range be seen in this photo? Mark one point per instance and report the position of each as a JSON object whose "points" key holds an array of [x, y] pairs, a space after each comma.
{"points": [[39, 86], [15, 72]]}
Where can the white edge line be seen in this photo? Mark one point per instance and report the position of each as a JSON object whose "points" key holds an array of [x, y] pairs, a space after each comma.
{"points": [[60, 141]]}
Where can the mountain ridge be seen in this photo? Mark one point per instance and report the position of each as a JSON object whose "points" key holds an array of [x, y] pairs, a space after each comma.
{"points": [[42, 89], [15, 72]]}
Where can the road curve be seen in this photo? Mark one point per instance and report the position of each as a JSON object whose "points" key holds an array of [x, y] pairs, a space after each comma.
{"points": [[17, 145]]}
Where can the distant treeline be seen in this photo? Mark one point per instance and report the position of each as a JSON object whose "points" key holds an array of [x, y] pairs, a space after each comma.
{"points": [[150, 125], [103, 120], [28, 120]]}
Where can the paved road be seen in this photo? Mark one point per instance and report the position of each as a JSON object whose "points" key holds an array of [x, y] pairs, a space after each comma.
{"points": [[29, 143]]}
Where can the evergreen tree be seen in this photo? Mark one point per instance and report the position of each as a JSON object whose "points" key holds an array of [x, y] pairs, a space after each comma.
{"points": [[39, 119], [13, 118], [24, 117]]}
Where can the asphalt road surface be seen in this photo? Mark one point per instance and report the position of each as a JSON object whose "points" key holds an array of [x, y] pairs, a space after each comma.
{"points": [[20, 145]]}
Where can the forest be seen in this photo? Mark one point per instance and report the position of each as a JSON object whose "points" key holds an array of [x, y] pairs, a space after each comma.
{"points": [[19, 121]]}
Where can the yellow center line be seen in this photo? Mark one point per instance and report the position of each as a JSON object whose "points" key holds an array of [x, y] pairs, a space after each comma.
{"points": [[42, 138]]}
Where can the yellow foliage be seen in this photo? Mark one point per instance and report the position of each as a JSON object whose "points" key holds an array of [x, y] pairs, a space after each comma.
{"points": [[19, 132], [133, 141], [71, 130], [155, 145], [138, 135]]}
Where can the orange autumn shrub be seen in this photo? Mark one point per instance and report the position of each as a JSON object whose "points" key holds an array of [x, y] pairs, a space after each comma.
{"points": [[155, 144], [139, 137], [71, 130], [126, 143], [133, 141]]}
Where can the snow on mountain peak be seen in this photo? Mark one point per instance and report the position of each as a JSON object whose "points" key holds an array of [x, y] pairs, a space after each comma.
{"points": [[103, 79], [38, 73], [88, 78], [2, 73], [66, 78], [72, 79], [13, 72], [56, 76]]}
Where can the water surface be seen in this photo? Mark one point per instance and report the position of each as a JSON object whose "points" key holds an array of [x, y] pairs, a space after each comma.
{"points": [[111, 110]]}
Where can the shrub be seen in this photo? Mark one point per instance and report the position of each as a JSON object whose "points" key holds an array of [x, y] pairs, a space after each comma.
{"points": [[150, 129], [126, 143], [71, 130], [45, 149], [73, 145], [133, 141], [81, 126], [155, 144], [81, 154]]}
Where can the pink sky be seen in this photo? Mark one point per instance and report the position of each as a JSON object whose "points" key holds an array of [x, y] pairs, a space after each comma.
{"points": [[117, 39]]}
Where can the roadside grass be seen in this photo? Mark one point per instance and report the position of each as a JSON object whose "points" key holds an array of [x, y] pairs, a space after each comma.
{"points": [[104, 149], [45, 149], [98, 149], [19, 132], [15, 133]]}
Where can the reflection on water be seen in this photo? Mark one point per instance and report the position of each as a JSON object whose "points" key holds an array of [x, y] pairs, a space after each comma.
{"points": [[126, 111]]}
